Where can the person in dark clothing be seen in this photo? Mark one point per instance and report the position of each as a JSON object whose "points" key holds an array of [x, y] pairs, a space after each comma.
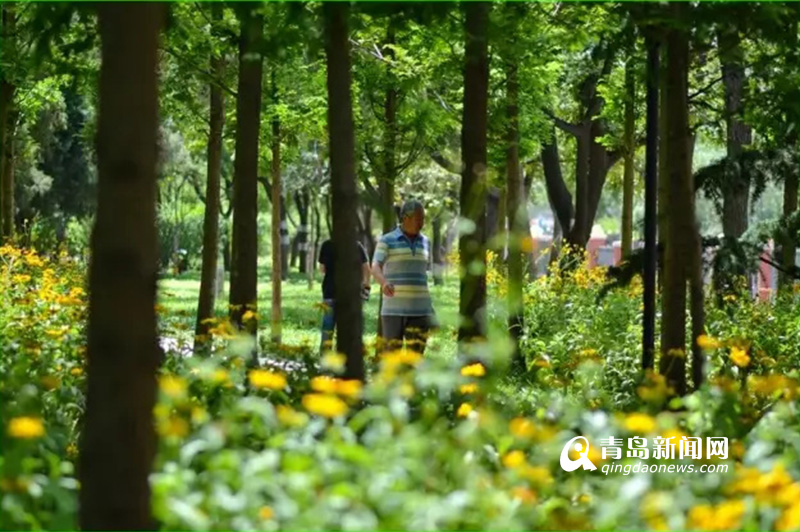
{"points": [[327, 264]]}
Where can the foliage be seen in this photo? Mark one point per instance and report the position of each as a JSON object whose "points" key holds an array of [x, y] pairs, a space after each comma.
{"points": [[433, 443]]}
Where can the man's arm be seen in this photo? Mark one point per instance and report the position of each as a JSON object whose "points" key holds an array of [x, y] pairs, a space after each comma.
{"points": [[381, 250]]}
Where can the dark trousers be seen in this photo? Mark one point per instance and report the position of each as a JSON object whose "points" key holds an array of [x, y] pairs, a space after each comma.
{"points": [[413, 329]]}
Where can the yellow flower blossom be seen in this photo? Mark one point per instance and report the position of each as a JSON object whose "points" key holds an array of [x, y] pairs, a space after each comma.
{"points": [[266, 513], [524, 494], [641, 423], [290, 417], [349, 388], [262, 378], [220, 375], [324, 405], [249, 315], [323, 384], [473, 370], [174, 426], [538, 475], [76, 372], [740, 357], [26, 427], [513, 459], [172, 386], [50, 382], [522, 428], [467, 389], [707, 342], [464, 410], [790, 518], [334, 361]]}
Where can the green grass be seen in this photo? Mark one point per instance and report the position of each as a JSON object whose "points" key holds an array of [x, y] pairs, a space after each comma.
{"points": [[301, 315]]}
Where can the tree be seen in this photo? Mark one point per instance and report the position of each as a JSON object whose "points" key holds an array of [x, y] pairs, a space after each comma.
{"points": [[349, 319], [630, 149], [118, 440], [216, 121], [681, 245], [472, 245], [277, 207], [7, 124], [243, 291]]}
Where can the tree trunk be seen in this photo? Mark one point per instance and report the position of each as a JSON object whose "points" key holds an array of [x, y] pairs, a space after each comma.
{"points": [[680, 221], [472, 245], [118, 441], [789, 245], [650, 206], [8, 173], [386, 185], [302, 201], [7, 127], [208, 270], [695, 275], [557, 192], [285, 241], [517, 215], [349, 319], [276, 318], [736, 188], [243, 293], [581, 228], [630, 150], [438, 260]]}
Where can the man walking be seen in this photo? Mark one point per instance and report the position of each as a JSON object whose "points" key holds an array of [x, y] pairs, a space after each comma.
{"points": [[400, 265], [327, 260]]}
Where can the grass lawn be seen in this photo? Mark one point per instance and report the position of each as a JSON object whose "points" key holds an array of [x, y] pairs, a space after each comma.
{"points": [[301, 313]]}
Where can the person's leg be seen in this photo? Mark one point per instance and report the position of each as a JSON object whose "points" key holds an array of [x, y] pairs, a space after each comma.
{"points": [[391, 333], [328, 325], [416, 332]]}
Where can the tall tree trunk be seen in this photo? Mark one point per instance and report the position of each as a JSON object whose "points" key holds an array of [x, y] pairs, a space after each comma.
{"points": [[650, 206], [695, 275], [789, 245], [208, 270], [349, 319], [517, 216], [7, 125], [285, 241], [7, 177], [630, 148], [301, 200], [118, 441], [581, 229], [472, 245], [438, 260], [557, 192], [277, 317], [243, 293], [680, 220], [387, 184], [736, 188]]}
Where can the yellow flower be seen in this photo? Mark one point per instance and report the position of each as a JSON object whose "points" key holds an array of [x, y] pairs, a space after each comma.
{"points": [[290, 417], [464, 410], [324, 405], [771, 485], [199, 414], [538, 475], [401, 356], [467, 389], [26, 427], [172, 386], [334, 361], [323, 384], [20, 278], [266, 513], [638, 422], [524, 494], [174, 426], [770, 384], [220, 375], [708, 342], [725, 516], [740, 357], [473, 370], [514, 459], [249, 315], [349, 388], [72, 450], [522, 428], [50, 383], [76, 372], [262, 378], [790, 518]]}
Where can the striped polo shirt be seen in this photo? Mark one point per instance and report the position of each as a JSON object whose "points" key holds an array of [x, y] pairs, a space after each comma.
{"points": [[405, 265]]}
